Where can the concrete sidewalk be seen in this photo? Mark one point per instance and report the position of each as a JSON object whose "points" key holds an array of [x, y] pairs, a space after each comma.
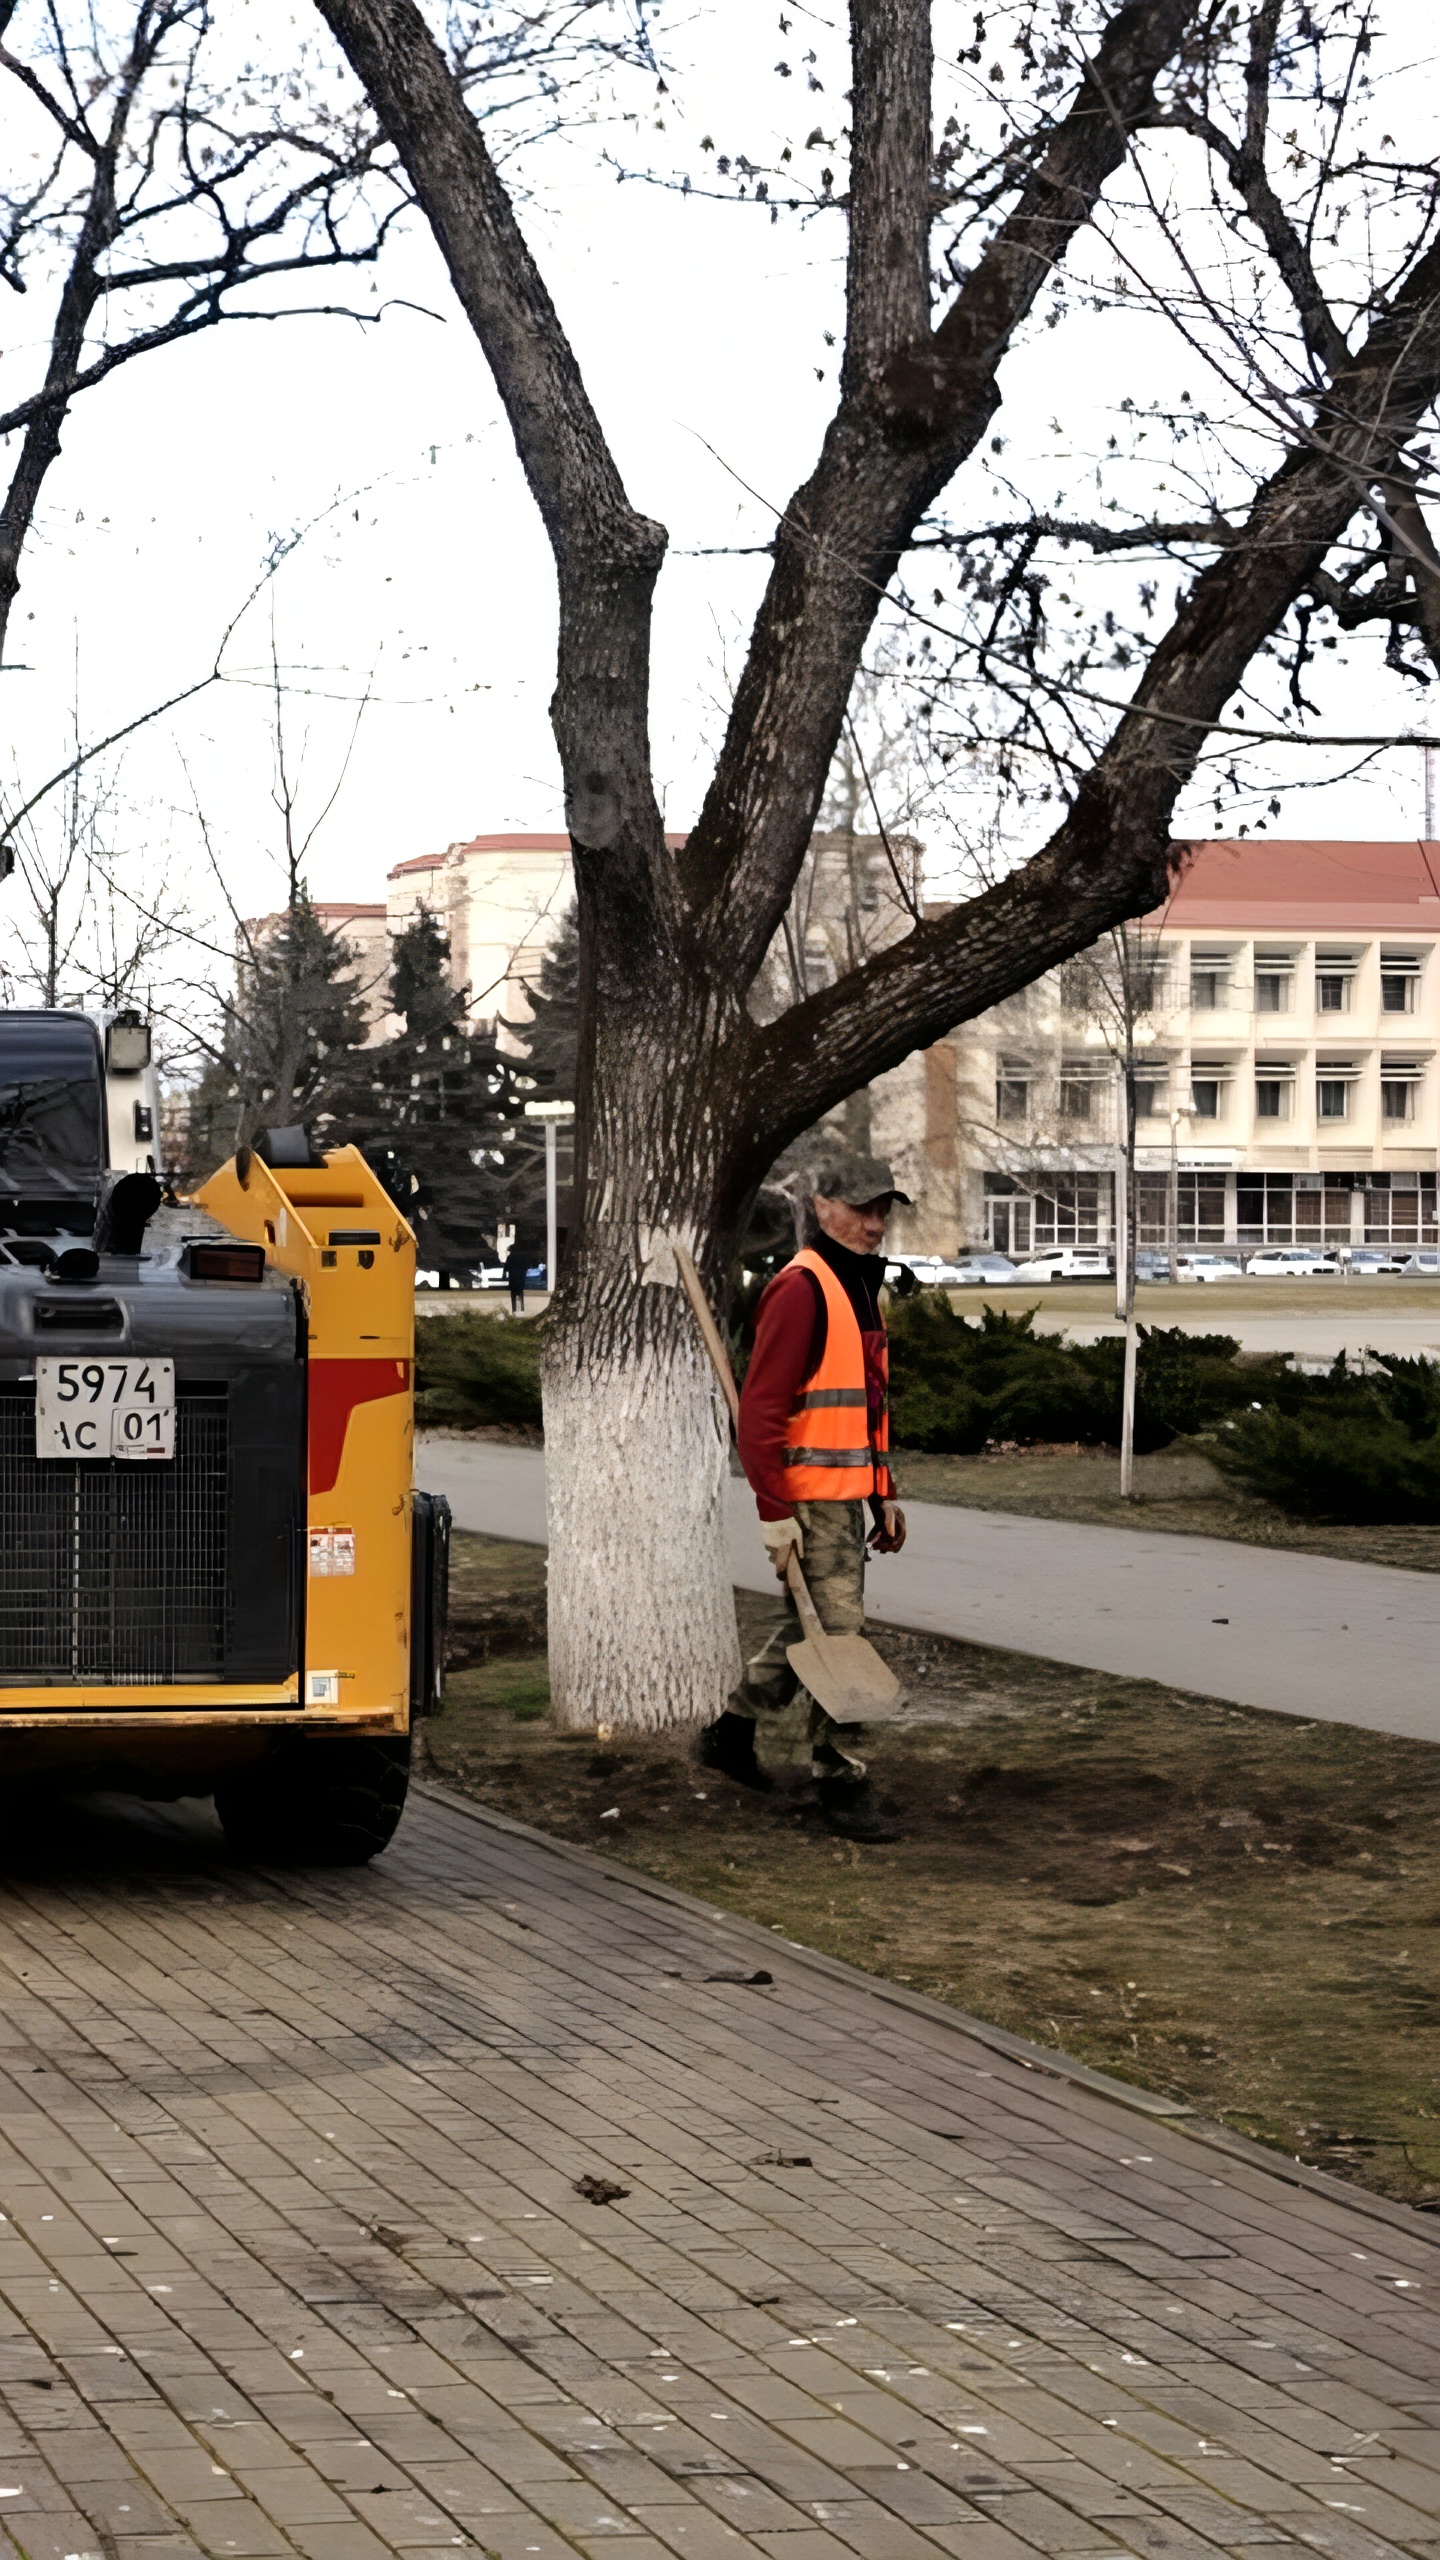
{"points": [[1302, 1635]]}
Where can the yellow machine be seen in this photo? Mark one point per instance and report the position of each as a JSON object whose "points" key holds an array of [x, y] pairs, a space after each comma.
{"points": [[215, 1573]]}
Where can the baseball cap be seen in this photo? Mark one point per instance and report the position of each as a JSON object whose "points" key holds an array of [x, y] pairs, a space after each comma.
{"points": [[854, 1178]]}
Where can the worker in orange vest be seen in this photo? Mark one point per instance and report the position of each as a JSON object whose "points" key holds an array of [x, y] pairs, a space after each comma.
{"points": [[814, 1437]]}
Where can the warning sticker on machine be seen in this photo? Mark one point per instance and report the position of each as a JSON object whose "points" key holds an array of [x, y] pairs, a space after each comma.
{"points": [[332, 1551]]}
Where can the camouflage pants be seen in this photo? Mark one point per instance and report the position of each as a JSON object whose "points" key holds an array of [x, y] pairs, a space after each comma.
{"points": [[834, 1568]]}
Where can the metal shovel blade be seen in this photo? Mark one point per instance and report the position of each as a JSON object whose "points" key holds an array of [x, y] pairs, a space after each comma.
{"points": [[843, 1674], [846, 1676]]}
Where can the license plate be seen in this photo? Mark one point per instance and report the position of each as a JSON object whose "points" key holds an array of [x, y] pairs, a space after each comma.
{"points": [[104, 1409]]}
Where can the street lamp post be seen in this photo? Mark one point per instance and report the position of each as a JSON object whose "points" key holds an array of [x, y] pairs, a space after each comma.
{"points": [[552, 1113]]}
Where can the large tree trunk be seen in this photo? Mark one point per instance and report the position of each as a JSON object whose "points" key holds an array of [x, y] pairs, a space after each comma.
{"points": [[642, 1618]]}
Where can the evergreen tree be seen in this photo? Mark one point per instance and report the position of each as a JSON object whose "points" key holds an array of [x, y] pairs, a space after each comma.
{"points": [[552, 1039], [439, 1111], [288, 1039]]}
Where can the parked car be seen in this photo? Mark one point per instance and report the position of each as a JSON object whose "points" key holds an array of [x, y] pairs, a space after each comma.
{"points": [[1152, 1264], [981, 1270], [1425, 1262], [1370, 1258], [1207, 1266], [929, 1268], [1290, 1262], [1065, 1262]]}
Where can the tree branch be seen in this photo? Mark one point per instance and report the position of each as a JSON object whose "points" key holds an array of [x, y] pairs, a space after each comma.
{"points": [[1210, 533], [1244, 163], [607, 555], [896, 439], [887, 306], [1111, 858]]}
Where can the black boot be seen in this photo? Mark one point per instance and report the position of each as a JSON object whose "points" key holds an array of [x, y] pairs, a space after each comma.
{"points": [[851, 1812], [728, 1746]]}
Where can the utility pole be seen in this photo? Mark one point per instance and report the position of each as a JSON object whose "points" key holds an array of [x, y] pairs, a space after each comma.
{"points": [[1127, 1292], [552, 1113]]}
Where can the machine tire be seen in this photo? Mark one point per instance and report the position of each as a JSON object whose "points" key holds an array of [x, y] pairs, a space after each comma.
{"points": [[318, 1803]]}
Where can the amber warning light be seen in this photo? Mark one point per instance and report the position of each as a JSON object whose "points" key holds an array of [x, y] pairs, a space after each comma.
{"points": [[224, 1262]]}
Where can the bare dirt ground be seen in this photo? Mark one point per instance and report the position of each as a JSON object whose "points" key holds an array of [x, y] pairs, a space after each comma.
{"points": [[1219, 1904], [1175, 1488]]}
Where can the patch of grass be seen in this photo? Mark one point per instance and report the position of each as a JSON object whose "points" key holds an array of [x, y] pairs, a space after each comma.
{"points": [[1179, 1488], [1231, 1907]]}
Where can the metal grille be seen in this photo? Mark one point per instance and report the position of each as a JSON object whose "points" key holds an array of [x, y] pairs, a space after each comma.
{"points": [[113, 1573]]}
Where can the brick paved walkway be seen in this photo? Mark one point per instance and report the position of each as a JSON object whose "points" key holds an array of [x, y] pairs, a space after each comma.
{"points": [[294, 2259]]}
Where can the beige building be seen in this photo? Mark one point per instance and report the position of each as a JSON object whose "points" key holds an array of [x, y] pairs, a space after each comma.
{"points": [[1289, 1086], [1289, 1035], [501, 899]]}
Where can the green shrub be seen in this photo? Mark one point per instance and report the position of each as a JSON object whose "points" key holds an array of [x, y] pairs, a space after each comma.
{"points": [[1344, 1447], [471, 1368], [956, 1384]]}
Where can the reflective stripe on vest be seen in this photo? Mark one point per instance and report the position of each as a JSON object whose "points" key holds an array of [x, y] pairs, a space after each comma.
{"points": [[822, 1462]]}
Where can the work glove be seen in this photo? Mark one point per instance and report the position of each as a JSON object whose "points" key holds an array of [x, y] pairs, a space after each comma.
{"points": [[780, 1536], [889, 1539]]}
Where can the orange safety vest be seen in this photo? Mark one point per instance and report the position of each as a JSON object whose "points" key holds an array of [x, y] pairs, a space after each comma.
{"points": [[829, 1455]]}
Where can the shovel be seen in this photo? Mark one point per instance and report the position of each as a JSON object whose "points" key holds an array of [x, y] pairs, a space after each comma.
{"points": [[843, 1674]]}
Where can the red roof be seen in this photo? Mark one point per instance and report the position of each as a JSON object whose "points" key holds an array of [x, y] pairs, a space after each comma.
{"points": [[1259, 885], [344, 907]]}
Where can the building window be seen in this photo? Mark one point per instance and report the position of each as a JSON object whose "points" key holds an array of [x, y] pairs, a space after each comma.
{"points": [[1205, 1097], [1152, 1201], [1399, 977], [1400, 1208], [1264, 1208], [1012, 1098], [1007, 1215], [1067, 1211], [1200, 1203], [1332, 992], [1272, 1098], [1397, 1099], [1322, 1208], [1208, 989], [1150, 1097], [1332, 1097], [1076, 1098], [1272, 990]]}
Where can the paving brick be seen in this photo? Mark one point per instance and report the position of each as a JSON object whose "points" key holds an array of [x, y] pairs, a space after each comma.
{"points": [[363, 2311]]}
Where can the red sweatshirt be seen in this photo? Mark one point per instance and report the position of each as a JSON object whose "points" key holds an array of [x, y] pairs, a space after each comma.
{"points": [[790, 1330]]}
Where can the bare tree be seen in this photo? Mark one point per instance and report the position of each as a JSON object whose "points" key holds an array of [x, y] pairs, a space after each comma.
{"points": [[684, 1098], [82, 930], [171, 184]]}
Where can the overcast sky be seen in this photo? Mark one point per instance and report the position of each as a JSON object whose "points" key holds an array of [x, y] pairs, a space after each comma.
{"points": [[701, 330]]}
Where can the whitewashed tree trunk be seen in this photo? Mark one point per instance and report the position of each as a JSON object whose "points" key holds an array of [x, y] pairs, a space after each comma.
{"points": [[642, 1615], [637, 1440]]}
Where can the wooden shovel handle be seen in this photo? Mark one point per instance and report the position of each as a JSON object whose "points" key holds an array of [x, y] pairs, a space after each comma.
{"points": [[809, 1615], [690, 1281]]}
